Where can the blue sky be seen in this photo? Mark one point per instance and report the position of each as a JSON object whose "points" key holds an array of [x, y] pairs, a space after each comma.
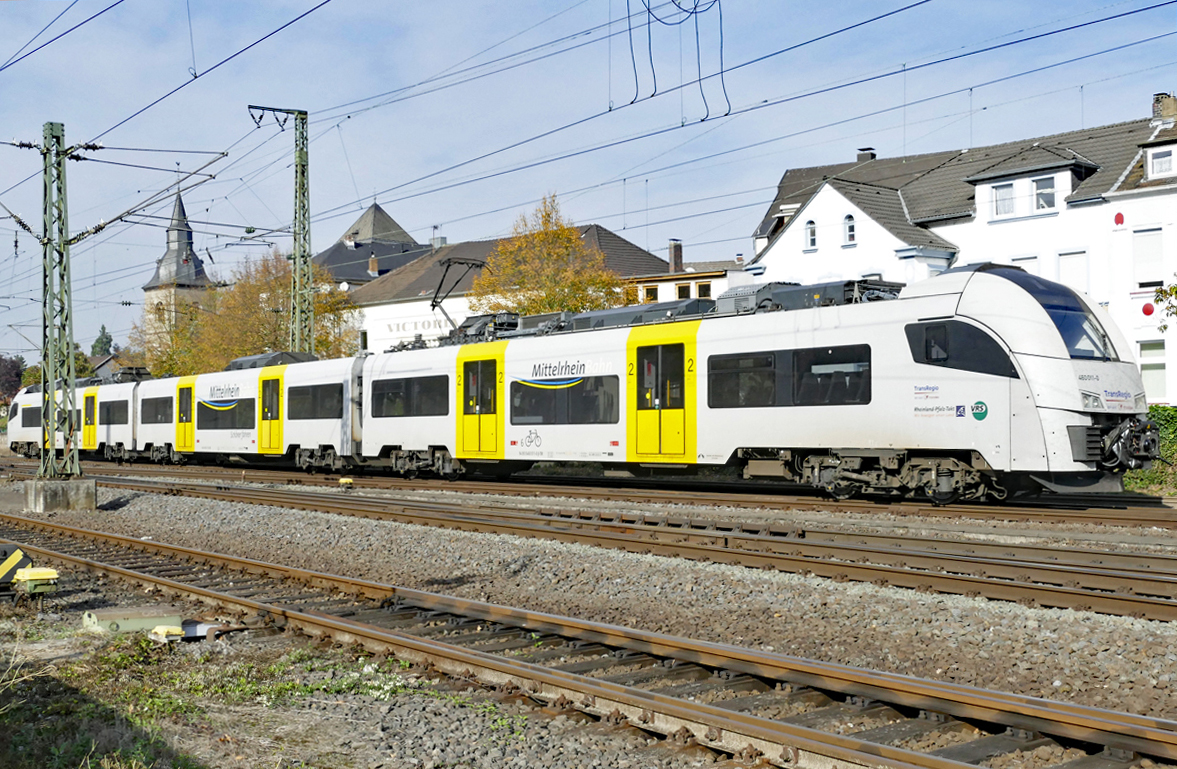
{"points": [[415, 150]]}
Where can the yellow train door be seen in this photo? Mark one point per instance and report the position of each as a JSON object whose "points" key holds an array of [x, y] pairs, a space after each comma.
{"points": [[90, 419], [481, 395], [185, 415], [661, 382], [270, 396]]}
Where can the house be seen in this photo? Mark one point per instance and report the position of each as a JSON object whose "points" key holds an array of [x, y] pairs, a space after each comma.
{"points": [[691, 280], [397, 306], [1093, 209], [372, 246]]}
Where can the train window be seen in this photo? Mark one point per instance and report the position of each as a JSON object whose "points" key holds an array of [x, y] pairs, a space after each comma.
{"points": [[316, 401], [1081, 331], [156, 411], [586, 401], [746, 380], [957, 345], [226, 415], [109, 413], [13, 411], [423, 396], [832, 376], [30, 416]]}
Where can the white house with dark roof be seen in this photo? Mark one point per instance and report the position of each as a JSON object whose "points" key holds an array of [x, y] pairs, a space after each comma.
{"points": [[1094, 209]]}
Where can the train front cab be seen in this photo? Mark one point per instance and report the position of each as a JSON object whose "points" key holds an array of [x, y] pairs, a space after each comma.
{"points": [[661, 380]]}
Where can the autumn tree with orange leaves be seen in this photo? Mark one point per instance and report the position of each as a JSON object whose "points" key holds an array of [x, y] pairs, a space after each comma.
{"points": [[545, 266], [249, 315]]}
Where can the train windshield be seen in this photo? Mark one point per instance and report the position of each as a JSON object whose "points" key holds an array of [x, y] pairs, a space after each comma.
{"points": [[1081, 331]]}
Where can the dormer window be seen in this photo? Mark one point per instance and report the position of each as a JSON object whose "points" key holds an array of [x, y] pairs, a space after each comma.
{"points": [[1044, 194], [1003, 200], [810, 234], [1160, 162], [848, 236]]}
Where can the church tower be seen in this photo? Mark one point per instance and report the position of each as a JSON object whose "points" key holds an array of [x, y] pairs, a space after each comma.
{"points": [[179, 281]]}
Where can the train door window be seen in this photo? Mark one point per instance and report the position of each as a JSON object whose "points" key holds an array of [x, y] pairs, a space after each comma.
{"points": [[660, 377], [184, 410], [479, 393], [271, 399], [90, 411], [936, 344], [832, 376]]}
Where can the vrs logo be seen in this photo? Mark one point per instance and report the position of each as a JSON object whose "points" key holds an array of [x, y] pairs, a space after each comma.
{"points": [[980, 410]]}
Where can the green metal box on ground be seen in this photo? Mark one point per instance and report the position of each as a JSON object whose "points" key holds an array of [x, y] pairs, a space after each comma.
{"points": [[130, 619]]}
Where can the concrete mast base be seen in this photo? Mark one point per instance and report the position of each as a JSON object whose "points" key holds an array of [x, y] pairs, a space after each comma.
{"points": [[50, 495]]}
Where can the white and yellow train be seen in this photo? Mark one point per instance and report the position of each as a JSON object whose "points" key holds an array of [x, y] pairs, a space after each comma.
{"points": [[980, 382]]}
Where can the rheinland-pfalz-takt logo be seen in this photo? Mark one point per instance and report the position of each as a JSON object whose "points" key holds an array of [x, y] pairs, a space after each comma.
{"points": [[980, 410], [960, 411]]}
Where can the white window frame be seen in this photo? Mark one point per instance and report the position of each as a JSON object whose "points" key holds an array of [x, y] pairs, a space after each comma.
{"points": [[998, 201], [1052, 191], [1166, 153], [810, 234], [849, 231]]}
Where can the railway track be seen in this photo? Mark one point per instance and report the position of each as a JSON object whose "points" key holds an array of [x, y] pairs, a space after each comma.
{"points": [[746, 703], [1116, 583], [1118, 510]]}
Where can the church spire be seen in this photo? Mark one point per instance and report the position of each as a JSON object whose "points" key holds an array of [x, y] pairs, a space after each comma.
{"points": [[180, 266]]}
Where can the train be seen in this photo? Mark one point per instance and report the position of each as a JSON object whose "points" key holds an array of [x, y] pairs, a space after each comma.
{"points": [[982, 382]]}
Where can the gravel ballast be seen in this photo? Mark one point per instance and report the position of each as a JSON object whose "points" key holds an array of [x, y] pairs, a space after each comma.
{"points": [[1112, 662]]}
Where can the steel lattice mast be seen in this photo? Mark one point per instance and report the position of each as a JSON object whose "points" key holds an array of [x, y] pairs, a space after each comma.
{"points": [[302, 288], [57, 330]]}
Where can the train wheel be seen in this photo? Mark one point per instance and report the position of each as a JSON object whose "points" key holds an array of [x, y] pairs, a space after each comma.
{"points": [[842, 491], [941, 498]]}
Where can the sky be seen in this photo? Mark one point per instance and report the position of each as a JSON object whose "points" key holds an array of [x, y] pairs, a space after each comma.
{"points": [[659, 121]]}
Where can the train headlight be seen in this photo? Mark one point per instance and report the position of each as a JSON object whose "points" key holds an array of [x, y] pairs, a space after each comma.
{"points": [[1091, 401], [1141, 403]]}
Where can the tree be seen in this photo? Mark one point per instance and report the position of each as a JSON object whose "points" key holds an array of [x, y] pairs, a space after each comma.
{"points": [[103, 343], [544, 266], [82, 368], [10, 371], [251, 315]]}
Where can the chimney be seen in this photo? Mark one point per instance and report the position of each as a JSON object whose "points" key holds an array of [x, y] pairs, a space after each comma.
{"points": [[373, 266], [866, 153], [1164, 106], [675, 255], [437, 242]]}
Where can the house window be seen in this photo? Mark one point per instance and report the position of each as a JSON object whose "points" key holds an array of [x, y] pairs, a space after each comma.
{"points": [[1152, 370], [703, 290], [1146, 258], [810, 234], [684, 290], [1044, 194], [1162, 163], [848, 236], [1072, 270], [1003, 200], [651, 293]]}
